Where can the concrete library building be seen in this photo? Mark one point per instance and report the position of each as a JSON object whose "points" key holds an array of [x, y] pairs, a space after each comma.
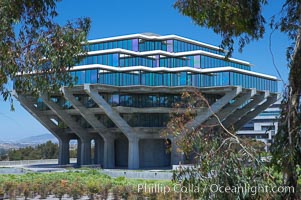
{"points": [[126, 88]]}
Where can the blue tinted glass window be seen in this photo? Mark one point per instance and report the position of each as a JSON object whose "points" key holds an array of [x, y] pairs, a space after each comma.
{"points": [[93, 76], [110, 59], [164, 46], [105, 45], [225, 78], [197, 61], [124, 44], [135, 44], [114, 44], [183, 78], [104, 59], [176, 46], [129, 44], [170, 45], [90, 60], [115, 59], [81, 77], [110, 45], [88, 78]]}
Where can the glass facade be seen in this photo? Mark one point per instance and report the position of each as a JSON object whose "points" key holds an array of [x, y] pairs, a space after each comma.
{"points": [[141, 45], [174, 79], [157, 60], [108, 71]]}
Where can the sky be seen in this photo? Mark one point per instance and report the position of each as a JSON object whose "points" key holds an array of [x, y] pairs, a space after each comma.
{"points": [[119, 17]]}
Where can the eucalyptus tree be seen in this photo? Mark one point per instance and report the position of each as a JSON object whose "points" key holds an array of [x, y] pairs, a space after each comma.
{"points": [[225, 166], [32, 42], [241, 22]]}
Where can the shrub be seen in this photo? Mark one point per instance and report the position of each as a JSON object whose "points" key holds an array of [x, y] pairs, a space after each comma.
{"points": [[24, 189], [10, 188], [76, 190], [104, 190], [92, 189], [60, 188]]}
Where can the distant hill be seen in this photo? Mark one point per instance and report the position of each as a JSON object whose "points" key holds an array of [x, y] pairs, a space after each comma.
{"points": [[32, 141], [28, 141], [39, 139], [9, 145]]}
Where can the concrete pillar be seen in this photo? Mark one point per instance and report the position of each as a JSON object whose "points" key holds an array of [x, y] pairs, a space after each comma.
{"points": [[109, 153], [133, 159], [64, 154], [85, 151], [97, 151], [79, 156]]}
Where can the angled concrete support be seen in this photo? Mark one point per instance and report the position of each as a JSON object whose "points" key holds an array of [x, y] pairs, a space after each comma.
{"points": [[235, 116], [260, 108], [84, 153], [112, 114], [225, 112], [38, 115], [133, 159], [89, 116], [62, 137], [65, 117], [133, 155], [218, 105], [84, 112]]}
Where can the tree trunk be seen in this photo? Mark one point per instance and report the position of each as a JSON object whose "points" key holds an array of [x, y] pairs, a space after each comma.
{"points": [[293, 122]]}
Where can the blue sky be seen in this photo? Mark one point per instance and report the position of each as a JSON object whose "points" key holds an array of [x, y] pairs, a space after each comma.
{"points": [[118, 17]]}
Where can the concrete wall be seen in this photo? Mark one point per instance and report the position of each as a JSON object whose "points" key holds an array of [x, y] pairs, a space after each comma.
{"points": [[31, 162], [152, 153], [155, 175]]}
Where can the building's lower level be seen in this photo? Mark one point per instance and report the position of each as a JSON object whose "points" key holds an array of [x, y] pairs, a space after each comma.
{"points": [[124, 123]]}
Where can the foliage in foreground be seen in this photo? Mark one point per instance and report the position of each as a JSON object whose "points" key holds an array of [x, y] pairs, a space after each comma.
{"points": [[243, 21], [95, 185], [32, 41], [76, 184], [221, 159]]}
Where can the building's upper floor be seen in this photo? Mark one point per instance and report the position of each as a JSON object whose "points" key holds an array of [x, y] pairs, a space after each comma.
{"points": [[153, 60], [157, 51], [150, 42]]}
